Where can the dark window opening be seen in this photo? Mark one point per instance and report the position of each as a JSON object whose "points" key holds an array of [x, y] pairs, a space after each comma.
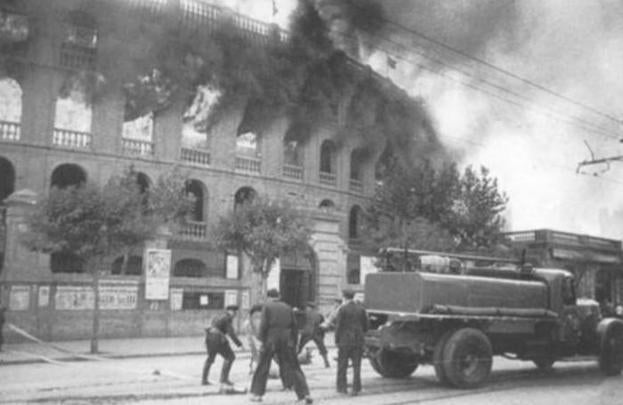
{"points": [[356, 164], [327, 157], [190, 268], [194, 188], [243, 196], [7, 179], [67, 175], [353, 269], [353, 222], [203, 300], [327, 204], [133, 266], [66, 262]]}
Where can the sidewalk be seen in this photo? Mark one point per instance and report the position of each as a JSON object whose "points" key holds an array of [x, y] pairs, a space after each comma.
{"points": [[78, 350]]}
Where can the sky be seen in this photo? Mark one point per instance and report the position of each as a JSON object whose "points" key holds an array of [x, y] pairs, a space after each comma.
{"points": [[530, 137]]}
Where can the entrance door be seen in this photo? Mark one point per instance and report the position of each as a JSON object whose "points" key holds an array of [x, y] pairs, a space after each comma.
{"points": [[295, 286]]}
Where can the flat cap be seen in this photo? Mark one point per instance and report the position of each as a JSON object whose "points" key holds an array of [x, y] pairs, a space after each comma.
{"points": [[232, 307], [348, 293], [273, 293]]}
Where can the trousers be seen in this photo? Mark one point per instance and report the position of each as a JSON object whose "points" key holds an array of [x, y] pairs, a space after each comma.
{"points": [[217, 343], [354, 353]]}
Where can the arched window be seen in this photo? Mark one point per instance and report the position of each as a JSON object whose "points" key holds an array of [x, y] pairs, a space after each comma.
{"points": [[328, 162], [73, 109], [195, 117], [190, 268], [354, 222], [196, 189], [67, 175], [133, 266], [356, 164], [143, 182], [326, 204], [10, 109], [247, 144], [7, 179], [79, 46], [66, 262], [292, 152], [244, 195]]}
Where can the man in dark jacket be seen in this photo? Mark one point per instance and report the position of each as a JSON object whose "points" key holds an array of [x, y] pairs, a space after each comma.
{"points": [[351, 323], [217, 343], [278, 334], [312, 330], [2, 319]]}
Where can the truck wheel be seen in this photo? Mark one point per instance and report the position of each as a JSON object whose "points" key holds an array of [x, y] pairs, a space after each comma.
{"points": [[467, 358], [392, 364], [611, 353], [438, 357]]}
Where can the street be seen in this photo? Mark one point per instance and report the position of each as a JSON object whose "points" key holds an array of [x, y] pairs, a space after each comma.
{"points": [[175, 380]]}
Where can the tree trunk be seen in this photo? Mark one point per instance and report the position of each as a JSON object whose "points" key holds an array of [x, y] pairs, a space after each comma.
{"points": [[96, 307]]}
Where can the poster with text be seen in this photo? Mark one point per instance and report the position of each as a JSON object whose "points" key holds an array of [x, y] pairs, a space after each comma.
{"points": [[231, 297], [231, 267], [44, 296], [177, 297], [19, 298], [157, 273]]}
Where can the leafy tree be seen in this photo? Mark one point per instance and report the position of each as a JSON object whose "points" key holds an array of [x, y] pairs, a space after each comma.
{"points": [[430, 208], [94, 223], [263, 230]]}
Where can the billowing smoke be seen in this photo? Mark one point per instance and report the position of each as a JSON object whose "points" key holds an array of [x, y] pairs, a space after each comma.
{"points": [[531, 139]]}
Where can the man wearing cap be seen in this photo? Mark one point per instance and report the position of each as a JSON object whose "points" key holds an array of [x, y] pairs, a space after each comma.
{"points": [[278, 333], [217, 343], [312, 330], [351, 323]]}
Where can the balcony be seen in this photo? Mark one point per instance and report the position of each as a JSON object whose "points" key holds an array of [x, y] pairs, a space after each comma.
{"points": [[293, 172], [77, 57], [356, 185], [194, 230], [65, 138], [195, 156], [133, 147], [10, 131], [329, 179], [248, 164]]}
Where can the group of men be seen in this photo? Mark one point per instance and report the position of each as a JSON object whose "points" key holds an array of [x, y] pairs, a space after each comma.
{"points": [[278, 336]]}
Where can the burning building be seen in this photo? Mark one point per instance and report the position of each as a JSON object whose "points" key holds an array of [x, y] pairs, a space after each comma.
{"points": [[88, 88]]}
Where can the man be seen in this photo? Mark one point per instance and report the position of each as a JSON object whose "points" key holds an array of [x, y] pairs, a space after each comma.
{"points": [[217, 343], [351, 323], [278, 333], [312, 330]]}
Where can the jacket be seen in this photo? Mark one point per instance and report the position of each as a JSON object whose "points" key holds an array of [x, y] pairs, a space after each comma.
{"points": [[351, 323], [223, 324], [278, 324]]}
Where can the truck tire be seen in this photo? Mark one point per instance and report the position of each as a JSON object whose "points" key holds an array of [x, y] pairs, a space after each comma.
{"points": [[467, 358], [438, 357], [393, 364], [611, 351], [544, 363]]}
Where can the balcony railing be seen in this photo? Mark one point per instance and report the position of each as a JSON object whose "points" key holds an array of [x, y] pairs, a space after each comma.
{"points": [[194, 230], [71, 139], [77, 57], [328, 178], [133, 147], [248, 164], [293, 171], [195, 156], [10, 131], [356, 185]]}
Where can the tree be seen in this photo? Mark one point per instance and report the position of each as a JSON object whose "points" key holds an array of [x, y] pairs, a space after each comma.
{"points": [[430, 208], [263, 230], [93, 222]]}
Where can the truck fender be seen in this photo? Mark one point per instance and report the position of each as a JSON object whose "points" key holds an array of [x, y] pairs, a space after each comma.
{"points": [[604, 326]]}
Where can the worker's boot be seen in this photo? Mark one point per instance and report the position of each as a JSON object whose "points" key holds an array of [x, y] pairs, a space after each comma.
{"points": [[206, 372], [225, 372], [326, 360]]}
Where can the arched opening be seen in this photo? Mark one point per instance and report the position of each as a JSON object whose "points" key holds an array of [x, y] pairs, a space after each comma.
{"points": [[327, 205], [292, 152], [190, 268], [143, 182], [195, 189], [67, 175], [328, 162], [66, 262], [298, 277], [10, 109], [354, 222], [196, 116], [244, 195], [353, 269], [7, 179], [132, 267]]}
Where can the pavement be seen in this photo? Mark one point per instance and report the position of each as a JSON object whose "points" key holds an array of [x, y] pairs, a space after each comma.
{"points": [[79, 350]]}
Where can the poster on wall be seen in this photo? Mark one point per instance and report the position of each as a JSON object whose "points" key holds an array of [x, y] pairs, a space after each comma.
{"points": [[231, 267], [177, 295], [73, 297], [44, 296], [367, 266], [245, 301], [19, 298], [118, 297], [157, 273], [274, 275], [231, 297]]}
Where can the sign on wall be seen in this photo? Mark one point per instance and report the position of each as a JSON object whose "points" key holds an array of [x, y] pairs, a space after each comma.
{"points": [[231, 297], [112, 297], [118, 296], [19, 298], [274, 275], [245, 300], [231, 267], [73, 297], [44, 296], [177, 295], [157, 273]]}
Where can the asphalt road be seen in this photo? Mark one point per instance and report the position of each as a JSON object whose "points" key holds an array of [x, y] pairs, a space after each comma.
{"points": [[175, 380]]}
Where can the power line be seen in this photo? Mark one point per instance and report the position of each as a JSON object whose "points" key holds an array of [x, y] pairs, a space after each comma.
{"points": [[501, 70]]}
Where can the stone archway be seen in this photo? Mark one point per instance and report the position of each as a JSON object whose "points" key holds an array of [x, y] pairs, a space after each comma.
{"points": [[298, 277]]}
